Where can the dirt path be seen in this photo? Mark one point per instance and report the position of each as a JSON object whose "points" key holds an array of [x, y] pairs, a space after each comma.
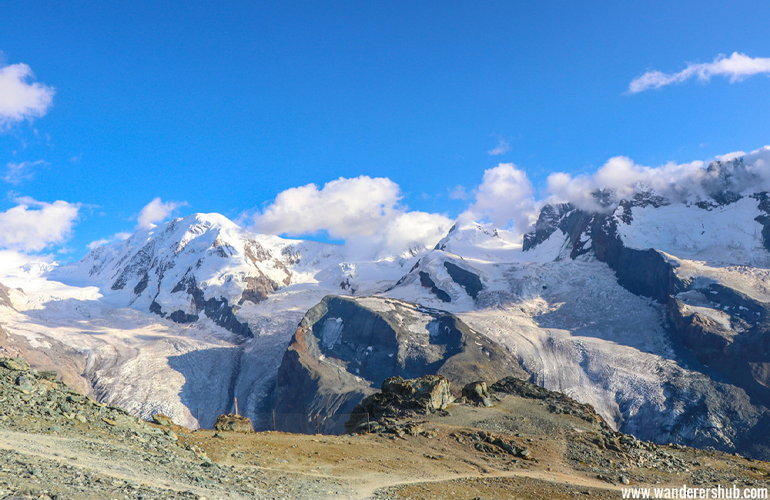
{"points": [[116, 463], [372, 485]]}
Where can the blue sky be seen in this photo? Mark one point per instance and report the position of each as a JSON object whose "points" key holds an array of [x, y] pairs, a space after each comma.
{"points": [[220, 108]]}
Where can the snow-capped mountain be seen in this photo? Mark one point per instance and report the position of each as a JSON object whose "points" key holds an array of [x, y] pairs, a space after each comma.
{"points": [[652, 307], [203, 263], [181, 317]]}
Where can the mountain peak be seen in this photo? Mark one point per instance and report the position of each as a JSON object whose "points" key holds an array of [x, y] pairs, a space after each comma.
{"points": [[470, 238]]}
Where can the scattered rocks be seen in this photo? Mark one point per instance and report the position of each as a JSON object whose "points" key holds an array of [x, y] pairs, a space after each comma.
{"points": [[486, 442], [58, 444]]}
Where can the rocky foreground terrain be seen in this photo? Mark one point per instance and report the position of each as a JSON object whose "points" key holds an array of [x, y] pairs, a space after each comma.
{"points": [[509, 440]]}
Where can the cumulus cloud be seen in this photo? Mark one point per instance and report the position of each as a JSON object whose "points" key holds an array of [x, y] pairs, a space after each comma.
{"points": [[21, 99], [16, 173], [730, 156], [363, 211], [621, 177], [367, 214], [402, 233], [157, 211], [32, 225], [737, 67], [505, 198], [344, 207], [501, 148]]}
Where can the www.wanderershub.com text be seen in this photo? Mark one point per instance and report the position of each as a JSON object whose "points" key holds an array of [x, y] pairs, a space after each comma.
{"points": [[718, 492]]}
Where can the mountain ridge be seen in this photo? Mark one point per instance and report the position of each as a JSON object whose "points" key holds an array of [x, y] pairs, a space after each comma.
{"points": [[652, 309]]}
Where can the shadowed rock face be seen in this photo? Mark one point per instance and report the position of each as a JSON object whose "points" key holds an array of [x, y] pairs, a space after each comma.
{"points": [[217, 309], [764, 219], [741, 351], [5, 299], [737, 353], [466, 279], [427, 282], [344, 348]]}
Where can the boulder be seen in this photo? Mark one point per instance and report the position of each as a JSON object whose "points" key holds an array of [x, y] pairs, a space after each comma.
{"points": [[477, 393], [162, 419], [233, 423], [15, 364], [26, 384]]}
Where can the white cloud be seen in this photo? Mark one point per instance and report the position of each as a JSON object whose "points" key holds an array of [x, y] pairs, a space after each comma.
{"points": [[343, 208], [730, 156], [105, 241], [623, 177], [737, 67], [676, 182], [364, 211], [501, 148], [400, 234], [97, 243], [19, 99], [505, 198], [157, 211], [16, 173], [33, 225]]}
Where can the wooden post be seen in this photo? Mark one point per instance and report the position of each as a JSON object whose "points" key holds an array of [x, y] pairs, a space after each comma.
{"points": [[198, 416], [317, 426], [368, 427], [273, 420], [236, 406]]}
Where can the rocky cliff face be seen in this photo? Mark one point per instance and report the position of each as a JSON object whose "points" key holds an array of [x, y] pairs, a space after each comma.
{"points": [[344, 348], [725, 329]]}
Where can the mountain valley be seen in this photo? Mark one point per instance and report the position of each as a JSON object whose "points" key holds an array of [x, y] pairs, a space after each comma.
{"points": [[652, 308]]}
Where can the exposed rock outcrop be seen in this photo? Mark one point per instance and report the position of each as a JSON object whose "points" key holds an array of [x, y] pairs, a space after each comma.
{"points": [[5, 296], [161, 419], [427, 282], [557, 402], [763, 199], [401, 398], [477, 393], [466, 279], [216, 309], [344, 348], [233, 423]]}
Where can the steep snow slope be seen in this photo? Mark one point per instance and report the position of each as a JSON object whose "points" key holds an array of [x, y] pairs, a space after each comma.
{"points": [[576, 330], [704, 261], [721, 235], [148, 359], [629, 310]]}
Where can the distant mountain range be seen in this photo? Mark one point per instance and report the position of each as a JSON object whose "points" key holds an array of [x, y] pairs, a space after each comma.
{"points": [[653, 308]]}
